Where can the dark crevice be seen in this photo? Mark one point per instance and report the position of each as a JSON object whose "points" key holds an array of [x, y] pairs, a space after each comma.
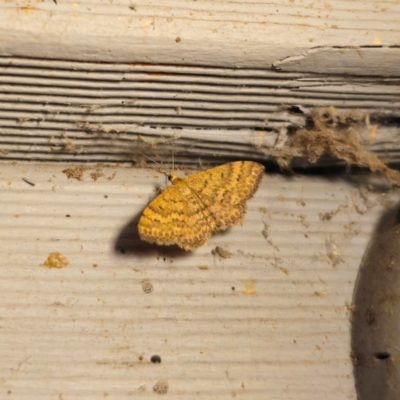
{"points": [[382, 355]]}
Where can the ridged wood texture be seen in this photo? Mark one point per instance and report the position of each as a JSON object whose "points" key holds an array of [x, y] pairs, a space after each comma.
{"points": [[270, 322], [206, 81], [93, 81]]}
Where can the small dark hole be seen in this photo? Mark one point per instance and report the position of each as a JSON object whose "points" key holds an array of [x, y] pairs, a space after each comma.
{"points": [[155, 359], [140, 358], [233, 287], [382, 355], [295, 110], [67, 215]]}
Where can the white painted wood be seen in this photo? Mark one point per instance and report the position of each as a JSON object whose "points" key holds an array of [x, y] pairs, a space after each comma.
{"points": [[89, 330], [243, 34], [351, 61], [206, 81], [84, 81]]}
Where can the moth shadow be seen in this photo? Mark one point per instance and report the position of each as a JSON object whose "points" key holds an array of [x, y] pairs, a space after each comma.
{"points": [[128, 242]]}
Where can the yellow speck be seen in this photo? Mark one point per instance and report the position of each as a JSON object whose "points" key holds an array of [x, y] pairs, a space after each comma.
{"points": [[56, 260], [249, 288], [372, 128], [27, 9], [377, 41]]}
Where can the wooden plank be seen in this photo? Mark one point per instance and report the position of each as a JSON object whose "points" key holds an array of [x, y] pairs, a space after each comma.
{"points": [[87, 81], [64, 110], [203, 33], [270, 322], [198, 82]]}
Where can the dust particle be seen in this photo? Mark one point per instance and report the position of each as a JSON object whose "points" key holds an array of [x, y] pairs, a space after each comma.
{"points": [[147, 286], [350, 307], [221, 252], [330, 214], [75, 172], [96, 175], [111, 177], [265, 230], [332, 252], [56, 260], [338, 135], [161, 387]]}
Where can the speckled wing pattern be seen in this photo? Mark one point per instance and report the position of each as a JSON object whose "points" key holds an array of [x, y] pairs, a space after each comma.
{"points": [[192, 208]]}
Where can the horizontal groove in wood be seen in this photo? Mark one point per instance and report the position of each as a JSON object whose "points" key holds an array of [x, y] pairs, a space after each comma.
{"points": [[86, 325], [103, 108]]}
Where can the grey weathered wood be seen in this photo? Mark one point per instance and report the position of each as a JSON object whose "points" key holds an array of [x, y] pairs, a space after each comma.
{"points": [[206, 81], [53, 110], [220, 33], [82, 81], [270, 322]]}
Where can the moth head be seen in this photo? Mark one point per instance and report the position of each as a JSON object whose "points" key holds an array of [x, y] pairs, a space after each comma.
{"points": [[172, 178]]}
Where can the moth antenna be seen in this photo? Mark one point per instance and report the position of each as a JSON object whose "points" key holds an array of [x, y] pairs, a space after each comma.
{"points": [[156, 162]]}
